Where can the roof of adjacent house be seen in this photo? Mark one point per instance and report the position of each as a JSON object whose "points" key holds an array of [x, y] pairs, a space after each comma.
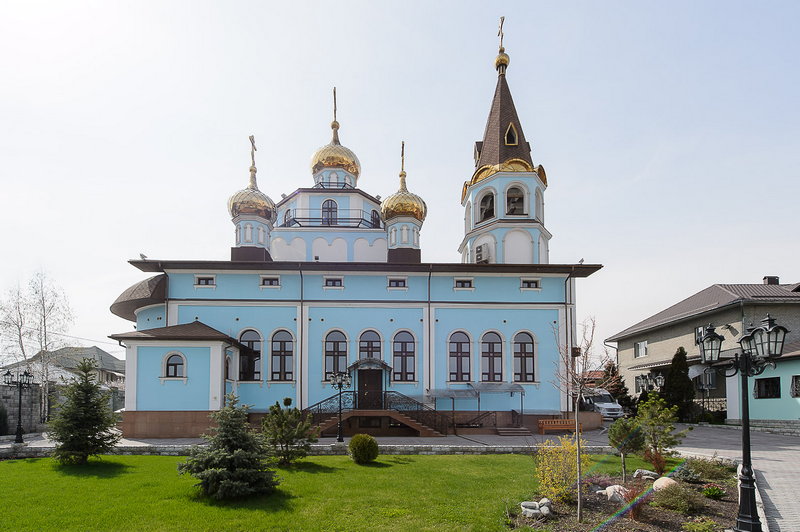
{"points": [[70, 357], [195, 330], [713, 298]]}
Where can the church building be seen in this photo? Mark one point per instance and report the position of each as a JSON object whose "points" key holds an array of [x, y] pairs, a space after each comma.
{"points": [[328, 283]]}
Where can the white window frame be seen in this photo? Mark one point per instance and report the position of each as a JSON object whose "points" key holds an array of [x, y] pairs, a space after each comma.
{"points": [[263, 286], [637, 348], [523, 288], [166, 357], [332, 277], [471, 286], [211, 276], [404, 279]]}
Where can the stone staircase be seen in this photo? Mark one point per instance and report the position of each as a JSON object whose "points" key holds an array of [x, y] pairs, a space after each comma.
{"points": [[513, 431], [423, 430]]}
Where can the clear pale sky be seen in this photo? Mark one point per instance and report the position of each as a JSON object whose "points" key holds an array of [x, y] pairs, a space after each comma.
{"points": [[669, 131]]}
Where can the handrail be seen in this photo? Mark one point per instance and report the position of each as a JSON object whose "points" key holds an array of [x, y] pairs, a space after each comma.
{"points": [[339, 217], [516, 419], [329, 407], [478, 421]]}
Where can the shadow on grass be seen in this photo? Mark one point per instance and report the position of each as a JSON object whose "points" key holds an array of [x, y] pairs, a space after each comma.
{"points": [[308, 467], [96, 468], [271, 502], [376, 465], [401, 460]]}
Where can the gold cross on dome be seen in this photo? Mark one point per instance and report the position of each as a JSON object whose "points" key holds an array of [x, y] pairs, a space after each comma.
{"points": [[500, 30], [253, 150]]}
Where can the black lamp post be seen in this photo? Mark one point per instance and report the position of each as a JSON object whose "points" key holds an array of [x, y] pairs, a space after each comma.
{"points": [[21, 381], [340, 380], [760, 347], [654, 382]]}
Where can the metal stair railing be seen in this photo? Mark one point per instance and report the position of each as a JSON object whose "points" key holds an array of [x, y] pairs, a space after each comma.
{"points": [[483, 418], [330, 407], [417, 411]]}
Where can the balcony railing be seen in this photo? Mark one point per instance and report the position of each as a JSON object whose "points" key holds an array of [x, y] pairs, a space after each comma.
{"points": [[356, 218]]}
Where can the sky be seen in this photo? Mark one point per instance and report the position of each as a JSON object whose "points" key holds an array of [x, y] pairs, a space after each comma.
{"points": [[670, 132]]}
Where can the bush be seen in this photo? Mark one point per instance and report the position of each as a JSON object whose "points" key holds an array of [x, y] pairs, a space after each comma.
{"points": [[601, 481], [635, 497], [713, 491], [657, 422], [678, 498], [287, 432], [700, 524], [626, 436], [233, 464], [557, 469], [84, 425], [657, 460], [685, 473], [712, 468], [3, 420], [363, 448]]}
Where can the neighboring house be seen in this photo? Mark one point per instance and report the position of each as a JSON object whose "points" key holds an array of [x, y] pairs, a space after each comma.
{"points": [[648, 346], [593, 378], [330, 280]]}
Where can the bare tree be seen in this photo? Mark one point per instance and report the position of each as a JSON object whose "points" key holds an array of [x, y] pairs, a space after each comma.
{"points": [[575, 359], [34, 318]]}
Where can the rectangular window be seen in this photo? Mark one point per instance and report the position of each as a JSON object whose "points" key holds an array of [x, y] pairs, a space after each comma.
{"points": [[767, 388], [204, 280], [463, 283], [640, 349], [795, 389], [270, 281], [529, 284], [640, 383], [333, 282], [397, 283]]}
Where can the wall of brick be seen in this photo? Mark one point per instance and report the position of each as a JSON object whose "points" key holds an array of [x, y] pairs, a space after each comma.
{"points": [[9, 397]]}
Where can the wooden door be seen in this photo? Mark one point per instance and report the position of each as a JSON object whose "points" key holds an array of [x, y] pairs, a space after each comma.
{"points": [[370, 389]]}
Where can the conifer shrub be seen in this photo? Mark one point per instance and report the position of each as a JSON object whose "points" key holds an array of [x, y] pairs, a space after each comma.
{"points": [[234, 463], [626, 436], [287, 433], [557, 469], [678, 498], [85, 425], [3, 420], [700, 524], [363, 448], [685, 473], [713, 491], [657, 423], [712, 468]]}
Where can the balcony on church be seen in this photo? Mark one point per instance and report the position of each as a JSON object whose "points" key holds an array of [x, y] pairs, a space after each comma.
{"points": [[329, 216]]}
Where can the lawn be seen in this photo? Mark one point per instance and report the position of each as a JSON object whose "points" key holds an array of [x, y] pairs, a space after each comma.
{"points": [[142, 493]]}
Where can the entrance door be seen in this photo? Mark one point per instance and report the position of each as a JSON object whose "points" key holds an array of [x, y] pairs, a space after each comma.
{"points": [[370, 389]]}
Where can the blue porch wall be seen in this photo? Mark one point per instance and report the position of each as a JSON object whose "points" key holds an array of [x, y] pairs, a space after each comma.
{"points": [[784, 407], [150, 318], [154, 394]]}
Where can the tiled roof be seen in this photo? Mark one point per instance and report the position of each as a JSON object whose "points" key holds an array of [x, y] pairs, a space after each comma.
{"points": [[493, 149], [69, 357], [195, 330], [148, 292], [714, 297]]}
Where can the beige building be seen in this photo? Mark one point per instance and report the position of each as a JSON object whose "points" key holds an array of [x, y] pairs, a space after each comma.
{"points": [[647, 347]]}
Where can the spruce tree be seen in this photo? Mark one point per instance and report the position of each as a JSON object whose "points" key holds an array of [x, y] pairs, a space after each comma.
{"points": [[615, 385], [678, 387], [287, 432], [234, 463], [626, 436], [85, 425], [657, 422]]}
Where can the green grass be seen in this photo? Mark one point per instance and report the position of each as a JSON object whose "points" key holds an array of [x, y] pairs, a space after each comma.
{"points": [[143, 493]]}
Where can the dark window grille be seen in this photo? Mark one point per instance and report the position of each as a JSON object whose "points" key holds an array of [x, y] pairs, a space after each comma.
{"points": [[463, 283], [175, 366], [270, 281], [459, 357], [515, 201], [335, 353], [282, 356], [369, 345], [486, 207], [333, 281], [250, 358], [205, 281], [330, 212], [491, 358], [397, 283], [375, 218], [524, 358], [530, 283], [403, 356], [767, 388]]}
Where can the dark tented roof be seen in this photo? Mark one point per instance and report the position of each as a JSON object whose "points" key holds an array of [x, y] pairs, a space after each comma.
{"points": [[493, 149], [148, 292], [712, 298]]}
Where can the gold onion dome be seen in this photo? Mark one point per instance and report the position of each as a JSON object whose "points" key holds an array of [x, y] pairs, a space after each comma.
{"points": [[501, 60], [403, 203], [250, 200], [334, 155]]}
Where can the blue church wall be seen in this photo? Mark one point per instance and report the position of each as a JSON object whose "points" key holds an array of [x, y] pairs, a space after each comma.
{"points": [[495, 289], [315, 201], [500, 233], [234, 286], [266, 320], [260, 396], [190, 393], [151, 317], [365, 288], [499, 183]]}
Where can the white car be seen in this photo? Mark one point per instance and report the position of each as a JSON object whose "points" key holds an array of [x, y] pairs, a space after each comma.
{"points": [[600, 401]]}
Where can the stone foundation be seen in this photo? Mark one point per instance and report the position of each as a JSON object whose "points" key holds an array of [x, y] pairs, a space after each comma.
{"points": [[165, 424]]}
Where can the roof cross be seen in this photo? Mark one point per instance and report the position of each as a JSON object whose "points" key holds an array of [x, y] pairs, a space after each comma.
{"points": [[500, 31]]}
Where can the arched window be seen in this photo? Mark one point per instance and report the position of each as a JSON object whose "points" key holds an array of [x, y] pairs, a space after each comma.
{"points": [[227, 368], [539, 206], [369, 345], [491, 357], [375, 219], [335, 353], [282, 356], [523, 358], [486, 207], [459, 357], [403, 356], [175, 366], [511, 135], [515, 201], [250, 357], [287, 217], [330, 212]]}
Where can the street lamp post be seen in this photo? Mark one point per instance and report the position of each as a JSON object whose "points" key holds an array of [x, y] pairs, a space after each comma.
{"points": [[21, 381], [340, 380], [760, 346], [654, 382]]}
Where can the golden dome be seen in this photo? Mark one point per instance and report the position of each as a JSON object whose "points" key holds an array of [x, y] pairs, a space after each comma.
{"points": [[502, 59], [403, 203], [334, 155], [250, 200]]}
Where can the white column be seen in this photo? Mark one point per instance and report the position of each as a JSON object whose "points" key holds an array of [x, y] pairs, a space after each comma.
{"points": [[216, 391], [130, 378]]}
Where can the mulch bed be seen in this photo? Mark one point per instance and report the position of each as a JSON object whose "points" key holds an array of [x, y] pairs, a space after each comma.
{"points": [[597, 510]]}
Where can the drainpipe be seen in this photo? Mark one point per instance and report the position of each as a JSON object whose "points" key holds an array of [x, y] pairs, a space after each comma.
{"points": [[430, 328], [567, 294]]}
